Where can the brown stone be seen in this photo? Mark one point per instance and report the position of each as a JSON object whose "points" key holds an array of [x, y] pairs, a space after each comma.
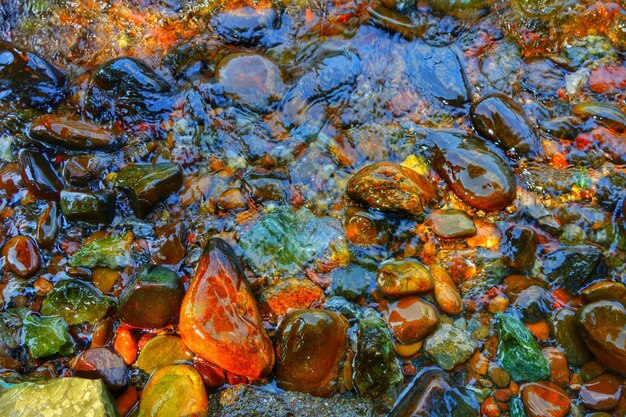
{"points": [[412, 319], [545, 399], [21, 256], [601, 393]]}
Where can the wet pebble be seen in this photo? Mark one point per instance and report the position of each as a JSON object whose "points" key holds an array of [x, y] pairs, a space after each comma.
{"points": [[310, 350], [545, 399], [449, 346], [403, 277], [452, 224], [519, 247], [534, 303], [603, 327], [219, 318], [501, 120], [412, 319], [40, 177], [390, 187], [21, 256], [601, 393], [476, 174], [71, 132], [246, 26], [163, 350], [88, 208]]}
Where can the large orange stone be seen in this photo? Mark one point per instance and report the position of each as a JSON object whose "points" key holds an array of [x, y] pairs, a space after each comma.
{"points": [[545, 399], [219, 318]]}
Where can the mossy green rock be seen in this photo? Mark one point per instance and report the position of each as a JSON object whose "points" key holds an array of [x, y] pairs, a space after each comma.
{"points": [[89, 208], [57, 397], [152, 298], [47, 336], [449, 346], [518, 352], [377, 373], [110, 252], [147, 185], [77, 302], [285, 240]]}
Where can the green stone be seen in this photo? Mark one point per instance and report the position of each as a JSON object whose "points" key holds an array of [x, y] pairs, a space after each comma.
{"points": [[57, 397], [90, 208], [452, 223], [518, 352], [161, 351], [47, 336], [147, 185], [449, 346], [377, 373], [285, 241], [77, 302], [516, 408], [152, 298], [110, 252]]}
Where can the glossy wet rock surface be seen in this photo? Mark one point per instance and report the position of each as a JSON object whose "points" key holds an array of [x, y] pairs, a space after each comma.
{"points": [[219, 318], [342, 208]]}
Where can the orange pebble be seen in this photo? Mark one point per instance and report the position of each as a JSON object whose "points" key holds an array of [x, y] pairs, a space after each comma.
{"points": [[540, 330], [489, 408], [125, 345]]}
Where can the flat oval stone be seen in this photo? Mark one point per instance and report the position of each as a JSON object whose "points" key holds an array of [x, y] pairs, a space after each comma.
{"points": [[475, 173], [175, 390], [501, 120], [163, 350], [452, 223], [40, 177], [391, 187], [412, 319], [403, 277], [80, 170], [28, 79], [71, 133], [251, 80], [603, 327], [152, 298], [605, 290], [601, 393], [105, 364], [219, 318], [147, 185], [606, 113], [310, 350], [21, 256], [545, 399]]}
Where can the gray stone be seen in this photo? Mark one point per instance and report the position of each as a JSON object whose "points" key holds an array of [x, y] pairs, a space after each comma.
{"points": [[449, 346]]}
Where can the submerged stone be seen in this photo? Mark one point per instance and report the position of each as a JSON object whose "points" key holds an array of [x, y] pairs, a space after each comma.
{"points": [[58, 396], [110, 252], [452, 224], [412, 319], [152, 297], [219, 318], [47, 336], [21, 256], [246, 26], [311, 347], [126, 87], [251, 80], [564, 328], [518, 352], [545, 399], [285, 241], [377, 373], [285, 294], [175, 390], [77, 302], [27, 78], [519, 247], [147, 185], [390, 187], [476, 174], [534, 303], [449, 346]]}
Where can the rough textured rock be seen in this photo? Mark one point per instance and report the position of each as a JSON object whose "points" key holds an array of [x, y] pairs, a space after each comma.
{"points": [[57, 398], [247, 401], [449, 346]]}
